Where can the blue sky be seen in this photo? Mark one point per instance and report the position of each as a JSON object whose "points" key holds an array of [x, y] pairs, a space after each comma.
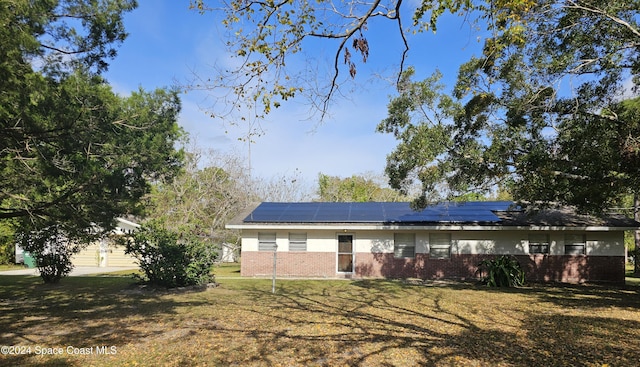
{"points": [[167, 42]]}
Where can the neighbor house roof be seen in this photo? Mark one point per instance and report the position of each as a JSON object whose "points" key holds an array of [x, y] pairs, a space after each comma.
{"points": [[452, 215]]}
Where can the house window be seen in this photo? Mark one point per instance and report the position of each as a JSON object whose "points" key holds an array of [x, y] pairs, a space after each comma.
{"points": [[297, 242], [266, 241], [439, 245], [539, 244], [404, 245], [575, 244]]}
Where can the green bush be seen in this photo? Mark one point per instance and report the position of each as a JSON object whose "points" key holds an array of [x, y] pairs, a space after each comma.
{"points": [[168, 260], [53, 266], [52, 251], [504, 271], [7, 244], [7, 253]]}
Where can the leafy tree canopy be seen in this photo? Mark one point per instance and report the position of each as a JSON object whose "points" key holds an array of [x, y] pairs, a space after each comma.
{"points": [[354, 188], [73, 154], [83, 153], [515, 122], [60, 35]]}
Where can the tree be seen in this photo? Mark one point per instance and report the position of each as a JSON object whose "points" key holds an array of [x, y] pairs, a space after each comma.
{"points": [[211, 190], [515, 125], [420, 119], [59, 36], [52, 247], [354, 188], [94, 163], [202, 198], [282, 187], [269, 40], [73, 154]]}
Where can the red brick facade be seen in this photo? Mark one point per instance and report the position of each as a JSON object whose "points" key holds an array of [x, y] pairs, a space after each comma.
{"points": [[573, 269], [289, 264], [542, 268]]}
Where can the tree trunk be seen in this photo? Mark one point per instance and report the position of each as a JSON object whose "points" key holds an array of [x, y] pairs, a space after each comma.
{"points": [[636, 236]]}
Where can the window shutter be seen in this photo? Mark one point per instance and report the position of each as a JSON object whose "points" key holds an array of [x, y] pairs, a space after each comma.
{"points": [[404, 245], [297, 242], [440, 245], [266, 241]]}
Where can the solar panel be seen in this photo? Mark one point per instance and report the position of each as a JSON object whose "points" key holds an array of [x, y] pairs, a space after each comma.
{"points": [[374, 212]]}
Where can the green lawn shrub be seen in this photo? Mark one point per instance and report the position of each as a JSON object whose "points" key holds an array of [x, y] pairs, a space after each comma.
{"points": [[170, 260]]}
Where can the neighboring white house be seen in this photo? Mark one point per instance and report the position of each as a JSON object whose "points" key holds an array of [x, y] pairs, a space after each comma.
{"points": [[103, 253], [442, 241]]}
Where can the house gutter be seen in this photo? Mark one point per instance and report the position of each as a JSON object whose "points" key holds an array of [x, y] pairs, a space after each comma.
{"points": [[395, 227]]}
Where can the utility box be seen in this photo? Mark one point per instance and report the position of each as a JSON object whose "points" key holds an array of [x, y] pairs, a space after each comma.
{"points": [[29, 261], [24, 257]]}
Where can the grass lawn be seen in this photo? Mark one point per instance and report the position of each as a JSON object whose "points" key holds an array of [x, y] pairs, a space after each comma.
{"points": [[631, 279], [227, 270], [316, 323]]}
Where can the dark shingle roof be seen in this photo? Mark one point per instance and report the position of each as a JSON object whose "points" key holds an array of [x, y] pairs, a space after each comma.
{"points": [[562, 218]]}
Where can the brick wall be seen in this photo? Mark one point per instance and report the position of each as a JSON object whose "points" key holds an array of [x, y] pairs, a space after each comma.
{"points": [[573, 269], [539, 268], [293, 264], [386, 265]]}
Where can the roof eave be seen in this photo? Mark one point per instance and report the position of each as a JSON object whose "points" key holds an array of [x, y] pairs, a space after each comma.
{"points": [[423, 227]]}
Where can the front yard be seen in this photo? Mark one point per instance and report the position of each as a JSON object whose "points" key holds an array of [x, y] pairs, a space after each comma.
{"points": [[106, 321]]}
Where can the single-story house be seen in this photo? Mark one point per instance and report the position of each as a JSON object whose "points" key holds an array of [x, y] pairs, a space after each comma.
{"points": [[447, 240], [102, 253]]}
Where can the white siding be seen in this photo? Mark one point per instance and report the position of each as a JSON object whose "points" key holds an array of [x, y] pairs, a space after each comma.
{"points": [[462, 242], [317, 241], [605, 244]]}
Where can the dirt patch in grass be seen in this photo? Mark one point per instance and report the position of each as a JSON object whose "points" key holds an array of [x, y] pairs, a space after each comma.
{"points": [[319, 323]]}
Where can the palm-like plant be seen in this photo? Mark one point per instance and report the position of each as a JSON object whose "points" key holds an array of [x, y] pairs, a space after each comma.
{"points": [[504, 271]]}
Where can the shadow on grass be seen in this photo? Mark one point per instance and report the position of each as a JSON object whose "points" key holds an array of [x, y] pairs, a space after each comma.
{"points": [[79, 311], [384, 323], [326, 323]]}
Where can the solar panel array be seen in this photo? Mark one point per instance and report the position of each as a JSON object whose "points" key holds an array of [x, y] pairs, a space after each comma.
{"points": [[377, 212]]}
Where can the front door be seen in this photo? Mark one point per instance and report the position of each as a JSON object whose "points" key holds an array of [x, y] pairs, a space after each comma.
{"points": [[345, 253]]}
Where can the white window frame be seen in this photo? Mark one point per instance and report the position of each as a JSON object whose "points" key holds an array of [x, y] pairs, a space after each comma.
{"points": [[404, 245], [439, 242], [575, 241], [267, 241], [541, 241], [297, 241]]}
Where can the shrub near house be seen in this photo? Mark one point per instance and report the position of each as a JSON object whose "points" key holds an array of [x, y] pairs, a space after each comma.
{"points": [[168, 260]]}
